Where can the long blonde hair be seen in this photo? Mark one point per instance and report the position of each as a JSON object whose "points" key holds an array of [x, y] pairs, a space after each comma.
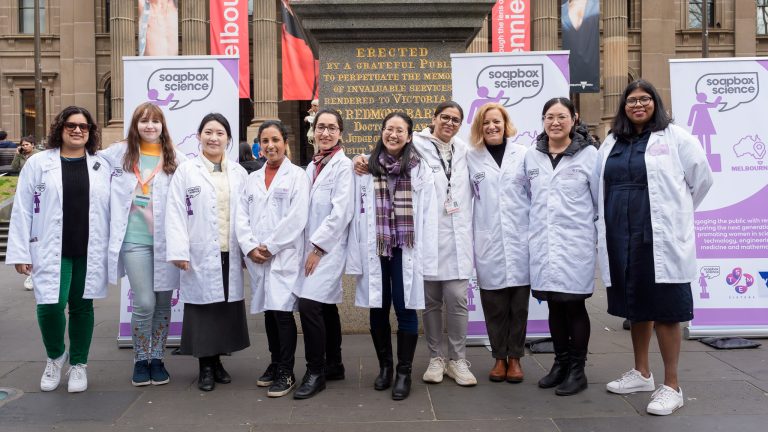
{"points": [[476, 132]]}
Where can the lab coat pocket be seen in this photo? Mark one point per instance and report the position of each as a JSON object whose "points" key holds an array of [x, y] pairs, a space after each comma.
{"points": [[574, 187], [286, 263], [683, 226]]}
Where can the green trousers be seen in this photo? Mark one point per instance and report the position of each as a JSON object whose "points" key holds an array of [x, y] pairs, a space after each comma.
{"points": [[51, 317]]}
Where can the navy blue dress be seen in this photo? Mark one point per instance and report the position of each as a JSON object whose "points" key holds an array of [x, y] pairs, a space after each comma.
{"points": [[634, 293]]}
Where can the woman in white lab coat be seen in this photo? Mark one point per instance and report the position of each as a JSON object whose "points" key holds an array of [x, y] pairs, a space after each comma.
{"points": [[393, 245], [562, 239], [201, 241], [142, 167], [652, 175], [270, 229], [500, 223], [325, 251], [58, 234]]}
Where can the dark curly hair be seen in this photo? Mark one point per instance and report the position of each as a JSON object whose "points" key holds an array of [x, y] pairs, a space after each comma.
{"points": [[55, 139]]}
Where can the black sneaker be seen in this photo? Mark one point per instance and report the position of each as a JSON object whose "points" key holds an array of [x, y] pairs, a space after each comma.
{"points": [[283, 384], [141, 375], [268, 377], [158, 373], [334, 372]]}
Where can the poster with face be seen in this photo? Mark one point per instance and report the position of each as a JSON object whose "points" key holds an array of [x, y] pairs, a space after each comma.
{"points": [[580, 21]]}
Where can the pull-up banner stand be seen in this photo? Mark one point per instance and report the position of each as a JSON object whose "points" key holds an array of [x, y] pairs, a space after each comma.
{"points": [[723, 102]]}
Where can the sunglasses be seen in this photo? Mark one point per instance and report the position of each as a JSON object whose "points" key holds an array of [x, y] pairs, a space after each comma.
{"points": [[84, 127]]}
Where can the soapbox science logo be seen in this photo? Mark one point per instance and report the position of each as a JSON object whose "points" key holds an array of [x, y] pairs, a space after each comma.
{"points": [[179, 87]]}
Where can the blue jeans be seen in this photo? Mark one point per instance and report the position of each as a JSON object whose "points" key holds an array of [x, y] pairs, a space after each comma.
{"points": [[393, 294], [151, 315]]}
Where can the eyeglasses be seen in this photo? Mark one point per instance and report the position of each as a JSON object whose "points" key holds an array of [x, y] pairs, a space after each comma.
{"points": [[551, 119], [393, 131], [322, 128], [644, 101], [84, 127], [445, 118]]}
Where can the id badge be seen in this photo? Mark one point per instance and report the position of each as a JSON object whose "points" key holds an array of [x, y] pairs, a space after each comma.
{"points": [[451, 206], [281, 193], [141, 200]]}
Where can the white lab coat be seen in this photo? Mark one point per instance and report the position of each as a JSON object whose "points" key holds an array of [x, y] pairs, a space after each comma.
{"points": [[276, 218], [331, 204], [192, 232], [500, 217], [562, 229], [123, 187], [679, 178], [454, 235], [36, 225], [418, 262]]}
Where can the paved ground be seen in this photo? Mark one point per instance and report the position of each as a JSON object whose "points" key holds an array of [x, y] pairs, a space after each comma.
{"points": [[724, 390]]}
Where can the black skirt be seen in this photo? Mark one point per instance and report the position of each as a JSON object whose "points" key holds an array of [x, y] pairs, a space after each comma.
{"points": [[215, 328], [634, 293], [560, 297]]}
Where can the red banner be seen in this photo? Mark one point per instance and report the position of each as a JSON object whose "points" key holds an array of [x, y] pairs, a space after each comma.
{"points": [[301, 68], [229, 36], [511, 26]]}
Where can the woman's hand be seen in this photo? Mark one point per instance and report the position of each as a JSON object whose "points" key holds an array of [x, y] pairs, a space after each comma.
{"points": [[256, 256], [360, 163], [313, 260], [183, 265], [264, 252], [25, 269]]}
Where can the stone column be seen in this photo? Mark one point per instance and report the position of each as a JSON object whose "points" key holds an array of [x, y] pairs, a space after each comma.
{"points": [[122, 24], [480, 42], [545, 25], [194, 27], [78, 56], [265, 33], [616, 58], [744, 29], [657, 43]]}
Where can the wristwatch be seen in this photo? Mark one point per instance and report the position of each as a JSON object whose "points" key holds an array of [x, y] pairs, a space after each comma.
{"points": [[317, 251]]}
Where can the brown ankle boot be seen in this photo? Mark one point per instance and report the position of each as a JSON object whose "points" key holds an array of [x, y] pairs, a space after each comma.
{"points": [[514, 371], [499, 371]]}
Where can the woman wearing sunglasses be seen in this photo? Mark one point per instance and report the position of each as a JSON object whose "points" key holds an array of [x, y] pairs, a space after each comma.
{"points": [[59, 234]]}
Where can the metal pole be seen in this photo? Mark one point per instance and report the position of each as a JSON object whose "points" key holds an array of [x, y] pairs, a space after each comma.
{"points": [[704, 29], [39, 114]]}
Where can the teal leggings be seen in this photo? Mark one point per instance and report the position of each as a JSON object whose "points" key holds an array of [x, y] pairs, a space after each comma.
{"points": [[51, 317]]}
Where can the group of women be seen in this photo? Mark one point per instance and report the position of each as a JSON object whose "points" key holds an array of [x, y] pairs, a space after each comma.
{"points": [[400, 220]]}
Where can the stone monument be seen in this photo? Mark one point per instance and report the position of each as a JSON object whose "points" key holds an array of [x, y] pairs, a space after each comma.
{"points": [[379, 56]]}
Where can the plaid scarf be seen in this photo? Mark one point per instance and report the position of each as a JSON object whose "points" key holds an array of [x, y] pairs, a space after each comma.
{"points": [[394, 216], [322, 157]]}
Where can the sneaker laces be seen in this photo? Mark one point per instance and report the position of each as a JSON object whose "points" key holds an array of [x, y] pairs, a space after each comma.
{"points": [[77, 371], [663, 395], [462, 366], [629, 376], [436, 364], [49, 367]]}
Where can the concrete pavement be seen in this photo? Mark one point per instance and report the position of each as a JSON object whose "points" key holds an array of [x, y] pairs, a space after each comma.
{"points": [[724, 390]]}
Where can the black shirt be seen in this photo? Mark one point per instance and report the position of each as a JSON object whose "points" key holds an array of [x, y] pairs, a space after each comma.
{"points": [[497, 151], [75, 186]]}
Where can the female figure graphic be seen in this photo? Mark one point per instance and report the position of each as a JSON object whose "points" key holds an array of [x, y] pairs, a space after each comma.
{"points": [[701, 121]]}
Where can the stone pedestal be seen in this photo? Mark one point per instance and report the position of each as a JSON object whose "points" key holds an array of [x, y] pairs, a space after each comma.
{"points": [[379, 56]]}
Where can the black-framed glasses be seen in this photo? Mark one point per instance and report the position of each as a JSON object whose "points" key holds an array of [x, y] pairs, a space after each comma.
{"points": [[322, 128], [70, 126], [445, 118], [644, 101]]}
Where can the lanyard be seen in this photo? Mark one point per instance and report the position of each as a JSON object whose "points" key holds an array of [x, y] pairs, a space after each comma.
{"points": [[447, 170], [145, 183]]}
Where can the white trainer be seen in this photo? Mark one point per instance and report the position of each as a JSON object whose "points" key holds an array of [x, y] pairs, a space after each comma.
{"points": [[52, 373], [631, 382], [459, 371], [78, 378], [435, 370], [665, 400], [28, 285]]}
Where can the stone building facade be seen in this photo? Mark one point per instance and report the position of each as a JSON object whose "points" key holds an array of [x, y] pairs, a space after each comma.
{"points": [[82, 50]]}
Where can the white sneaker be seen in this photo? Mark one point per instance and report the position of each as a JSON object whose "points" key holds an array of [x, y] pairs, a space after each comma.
{"points": [[28, 283], [631, 382], [52, 373], [459, 371], [665, 400], [78, 378], [435, 370]]}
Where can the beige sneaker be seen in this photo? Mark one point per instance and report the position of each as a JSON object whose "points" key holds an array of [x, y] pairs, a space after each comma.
{"points": [[435, 370], [459, 371]]}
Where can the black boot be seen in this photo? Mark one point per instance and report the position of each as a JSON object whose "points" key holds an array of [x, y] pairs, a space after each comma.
{"points": [[406, 348], [311, 384], [382, 342], [220, 375], [558, 372], [205, 381], [576, 381], [334, 372]]}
